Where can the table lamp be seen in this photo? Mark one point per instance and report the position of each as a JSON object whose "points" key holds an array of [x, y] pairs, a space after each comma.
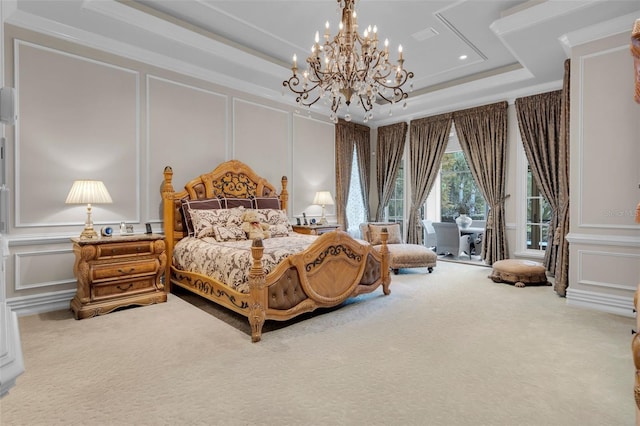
{"points": [[323, 198], [88, 192]]}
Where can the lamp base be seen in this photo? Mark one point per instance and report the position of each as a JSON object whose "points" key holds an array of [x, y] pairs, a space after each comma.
{"points": [[89, 234], [322, 221]]}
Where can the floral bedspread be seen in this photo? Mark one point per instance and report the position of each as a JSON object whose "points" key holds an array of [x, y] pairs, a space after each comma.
{"points": [[229, 262]]}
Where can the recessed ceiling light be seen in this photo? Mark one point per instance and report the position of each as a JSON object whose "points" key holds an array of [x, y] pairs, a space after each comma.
{"points": [[462, 57]]}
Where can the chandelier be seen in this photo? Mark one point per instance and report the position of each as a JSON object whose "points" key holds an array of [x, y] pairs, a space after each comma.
{"points": [[349, 68]]}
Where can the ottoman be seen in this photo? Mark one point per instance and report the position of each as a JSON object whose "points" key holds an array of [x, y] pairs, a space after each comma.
{"points": [[410, 256], [519, 272]]}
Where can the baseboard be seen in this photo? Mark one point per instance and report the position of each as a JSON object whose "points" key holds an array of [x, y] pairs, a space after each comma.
{"points": [[11, 360], [601, 302], [41, 303]]}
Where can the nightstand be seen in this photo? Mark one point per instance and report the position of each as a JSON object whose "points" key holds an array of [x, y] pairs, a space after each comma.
{"points": [[315, 229], [117, 271]]}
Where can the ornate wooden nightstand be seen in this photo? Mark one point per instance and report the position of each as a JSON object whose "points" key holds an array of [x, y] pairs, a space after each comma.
{"points": [[315, 229], [118, 271]]}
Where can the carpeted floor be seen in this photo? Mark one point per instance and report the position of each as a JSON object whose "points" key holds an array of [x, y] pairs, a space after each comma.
{"points": [[447, 348]]}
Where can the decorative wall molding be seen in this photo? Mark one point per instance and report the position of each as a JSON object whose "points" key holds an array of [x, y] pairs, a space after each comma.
{"points": [[18, 259], [633, 259], [601, 302], [583, 168], [41, 303], [603, 240]]}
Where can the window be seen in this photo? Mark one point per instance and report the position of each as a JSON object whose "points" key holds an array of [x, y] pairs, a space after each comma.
{"points": [[355, 211], [458, 189], [395, 208], [538, 215], [533, 212]]}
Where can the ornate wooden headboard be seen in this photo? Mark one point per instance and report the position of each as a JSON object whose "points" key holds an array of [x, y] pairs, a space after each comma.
{"points": [[231, 179]]}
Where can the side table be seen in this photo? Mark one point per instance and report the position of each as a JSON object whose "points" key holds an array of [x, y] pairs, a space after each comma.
{"points": [[315, 229], [117, 271]]}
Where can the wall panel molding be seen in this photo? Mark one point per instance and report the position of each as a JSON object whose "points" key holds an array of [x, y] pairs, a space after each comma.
{"points": [[23, 257], [103, 142]]}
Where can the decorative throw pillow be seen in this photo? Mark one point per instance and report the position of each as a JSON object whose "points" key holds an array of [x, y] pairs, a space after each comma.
{"points": [[393, 231], [205, 220], [231, 203], [274, 217], [266, 203], [229, 233], [206, 204], [278, 231]]}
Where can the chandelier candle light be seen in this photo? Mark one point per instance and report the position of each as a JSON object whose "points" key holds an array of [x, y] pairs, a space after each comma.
{"points": [[349, 68], [88, 192]]}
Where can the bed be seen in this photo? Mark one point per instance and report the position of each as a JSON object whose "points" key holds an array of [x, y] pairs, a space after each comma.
{"points": [[322, 271]]}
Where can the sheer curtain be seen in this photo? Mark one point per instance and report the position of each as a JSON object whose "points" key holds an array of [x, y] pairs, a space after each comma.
{"points": [[482, 133], [390, 146], [427, 144]]}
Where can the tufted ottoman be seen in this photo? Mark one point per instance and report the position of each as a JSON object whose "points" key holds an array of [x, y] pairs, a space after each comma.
{"points": [[519, 272]]}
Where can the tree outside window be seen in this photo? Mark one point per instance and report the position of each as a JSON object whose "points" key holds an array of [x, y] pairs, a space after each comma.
{"points": [[459, 192]]}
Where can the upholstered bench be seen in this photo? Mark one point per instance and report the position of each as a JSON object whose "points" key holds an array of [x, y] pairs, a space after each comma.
{"points": [[519, 272], [401, 255]]}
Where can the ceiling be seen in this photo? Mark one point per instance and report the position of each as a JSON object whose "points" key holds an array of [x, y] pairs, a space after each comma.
{"points": [[513, 47]]}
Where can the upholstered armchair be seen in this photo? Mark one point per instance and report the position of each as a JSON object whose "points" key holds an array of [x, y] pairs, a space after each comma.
{"points": [[450, 240]]}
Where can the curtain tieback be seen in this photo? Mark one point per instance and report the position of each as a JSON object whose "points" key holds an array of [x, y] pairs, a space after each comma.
{"points": [[492, 208]]}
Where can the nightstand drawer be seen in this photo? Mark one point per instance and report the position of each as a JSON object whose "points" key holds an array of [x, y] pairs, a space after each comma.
{"points": [[107, 271], [118, 288], [124, 249]]}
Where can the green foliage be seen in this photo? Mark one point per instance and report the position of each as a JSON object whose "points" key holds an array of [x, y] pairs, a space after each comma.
{"points": [[459, 192]]}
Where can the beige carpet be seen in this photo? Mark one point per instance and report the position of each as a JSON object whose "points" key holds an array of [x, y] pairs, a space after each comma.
{"points": [[447, 348]]}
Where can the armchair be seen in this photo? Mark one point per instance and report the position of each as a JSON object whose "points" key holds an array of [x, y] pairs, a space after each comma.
{"points": [[450, 240]]}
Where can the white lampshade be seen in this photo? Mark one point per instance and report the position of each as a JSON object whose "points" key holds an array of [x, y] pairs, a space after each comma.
{"points": [[323, 198], [88, 192]]}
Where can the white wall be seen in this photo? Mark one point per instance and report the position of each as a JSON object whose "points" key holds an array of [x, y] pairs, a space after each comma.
{"points": [[88, 114], [605, 174]]}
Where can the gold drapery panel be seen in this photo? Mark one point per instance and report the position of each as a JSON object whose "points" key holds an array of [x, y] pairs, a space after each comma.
{"points": [[389, 150], [482, 133], [539, 118], [428, 139], [350, 136]]}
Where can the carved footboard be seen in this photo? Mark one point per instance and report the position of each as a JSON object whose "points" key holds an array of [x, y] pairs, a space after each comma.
{"points": [[333, 269]]}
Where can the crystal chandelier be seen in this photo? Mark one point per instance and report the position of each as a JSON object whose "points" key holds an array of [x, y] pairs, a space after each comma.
{"points": [[349, 68]]}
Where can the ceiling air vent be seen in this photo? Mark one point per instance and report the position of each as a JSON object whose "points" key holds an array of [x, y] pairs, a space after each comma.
{"points": [[422, 35]]}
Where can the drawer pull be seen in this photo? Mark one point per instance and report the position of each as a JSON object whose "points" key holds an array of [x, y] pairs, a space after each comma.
{"points": [[130, 271], [126, 288]]}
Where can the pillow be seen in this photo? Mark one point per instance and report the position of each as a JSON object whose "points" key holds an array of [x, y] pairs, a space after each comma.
{"points": [[278, 231], [231, 203], [207, 204], [274, 217], [393, 231], [266, 203], [204, 221], [228, 233]]}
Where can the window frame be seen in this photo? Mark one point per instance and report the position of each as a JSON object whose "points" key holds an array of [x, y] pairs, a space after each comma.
{"points": [[521, 206]]}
